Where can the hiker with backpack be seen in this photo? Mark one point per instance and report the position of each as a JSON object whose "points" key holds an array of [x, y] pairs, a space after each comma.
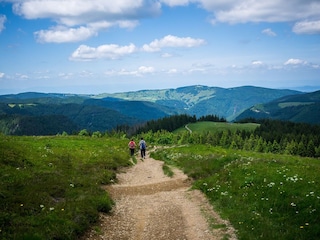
{"points": [[143, 147], [132, 146]]}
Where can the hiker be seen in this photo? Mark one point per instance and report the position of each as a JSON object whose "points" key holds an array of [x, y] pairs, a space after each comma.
{"points": [[143, 147], [132, 146]]}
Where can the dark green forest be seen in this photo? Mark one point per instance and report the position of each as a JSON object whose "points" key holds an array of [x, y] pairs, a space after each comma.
{"points": [[273, 136]]}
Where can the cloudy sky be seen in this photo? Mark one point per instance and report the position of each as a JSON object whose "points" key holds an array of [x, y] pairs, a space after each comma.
{"points": [[97, 46]]}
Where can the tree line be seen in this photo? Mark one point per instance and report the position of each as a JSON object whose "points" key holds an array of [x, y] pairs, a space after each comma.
{"points": [[273, 136], [174, 122]]}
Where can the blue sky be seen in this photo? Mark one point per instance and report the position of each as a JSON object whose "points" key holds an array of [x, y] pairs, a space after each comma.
{"points": [[103, 46]]}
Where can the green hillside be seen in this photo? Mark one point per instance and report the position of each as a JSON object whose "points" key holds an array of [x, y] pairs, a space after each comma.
{"points": [[203, 100], [213, 127], [52, 114], [40, 113], [295, 108], [50, 187]]}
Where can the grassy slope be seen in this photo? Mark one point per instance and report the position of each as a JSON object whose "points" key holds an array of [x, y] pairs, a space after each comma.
{"points": [[50, 186], [265, 196], [218, 126]]}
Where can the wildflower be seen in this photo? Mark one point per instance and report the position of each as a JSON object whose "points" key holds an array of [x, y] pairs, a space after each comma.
{"points": [[71, 185], [41, 205], [313, 210], [204, 184], [21, 205], [271, 184], [51, 209], [62, 209], [307, 224], [293, 204], [301, 227]]}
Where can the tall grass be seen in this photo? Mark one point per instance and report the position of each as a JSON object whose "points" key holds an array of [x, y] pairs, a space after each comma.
{"points": [[50, 187], [265, 196]]}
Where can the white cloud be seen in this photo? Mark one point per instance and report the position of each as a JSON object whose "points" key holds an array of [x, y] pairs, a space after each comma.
{"points": [[166, 55], [87, 18], [295, 61], [242, 11], [307, 27], [77, 12], [1, 74], [21, 76], [3, 19], [257, 63], [65, 75], [142, 70], [172, 41], [269, 32], [174, 3], [305, 12], [316, 66], [114, 51], [60, 35], [173, 71], [111, 51], [82, 19]]}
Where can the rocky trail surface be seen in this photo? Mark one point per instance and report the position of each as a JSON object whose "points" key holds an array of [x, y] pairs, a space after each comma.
{"points": [[152, 206]]}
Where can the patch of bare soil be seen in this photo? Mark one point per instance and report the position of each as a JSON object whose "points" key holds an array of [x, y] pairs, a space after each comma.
{"points": [[150, 205]]}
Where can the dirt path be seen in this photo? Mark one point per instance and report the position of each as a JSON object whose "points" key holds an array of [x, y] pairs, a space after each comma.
{"points": [[150, 205]]}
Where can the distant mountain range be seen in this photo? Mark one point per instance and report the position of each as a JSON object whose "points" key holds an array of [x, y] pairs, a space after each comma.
{"points": [[50, 113]]}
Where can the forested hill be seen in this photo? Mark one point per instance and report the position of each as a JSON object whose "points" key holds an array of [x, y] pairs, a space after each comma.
{"points": [[203, 100], [51, 113], [295, 108]]}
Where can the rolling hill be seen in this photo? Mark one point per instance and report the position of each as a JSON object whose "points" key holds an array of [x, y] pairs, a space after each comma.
{"points": [[296, 108], [203, 100], [40, 113]]}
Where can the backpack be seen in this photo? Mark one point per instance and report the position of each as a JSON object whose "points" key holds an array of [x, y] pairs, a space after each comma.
{"points": [[143, 145], [131, 145]]}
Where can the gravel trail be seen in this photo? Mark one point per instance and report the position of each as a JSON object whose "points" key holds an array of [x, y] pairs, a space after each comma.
{"points": [[152, 206]]}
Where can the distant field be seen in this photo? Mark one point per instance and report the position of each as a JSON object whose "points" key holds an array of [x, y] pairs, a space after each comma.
{"points": [[219, 126]]}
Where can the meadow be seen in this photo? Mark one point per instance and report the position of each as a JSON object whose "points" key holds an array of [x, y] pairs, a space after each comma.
{"points": [[265, 196], [50, 187], [214, 127]]}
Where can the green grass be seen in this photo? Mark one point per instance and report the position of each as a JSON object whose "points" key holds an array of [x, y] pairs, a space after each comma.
{"points": [[167, 170], [214, 127], [265, 196], [50, 187]]}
